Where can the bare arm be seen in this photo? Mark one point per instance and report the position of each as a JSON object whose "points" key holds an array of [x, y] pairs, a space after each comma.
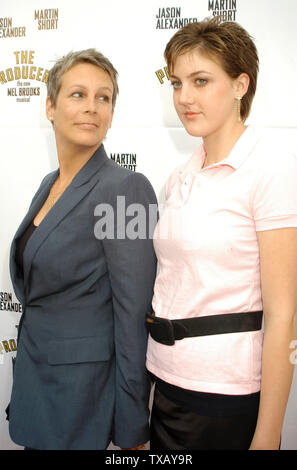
{"points": [[278, 261]]}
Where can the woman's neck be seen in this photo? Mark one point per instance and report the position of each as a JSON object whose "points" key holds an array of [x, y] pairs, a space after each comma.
{"points": [[219, 144], [72, 160]]}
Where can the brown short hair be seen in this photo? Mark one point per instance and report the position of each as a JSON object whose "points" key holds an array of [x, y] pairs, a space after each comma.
{"points": [[226, 41], [90, 56]]}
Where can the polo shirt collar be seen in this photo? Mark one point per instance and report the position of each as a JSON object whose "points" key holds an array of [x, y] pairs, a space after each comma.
{"points": [[235, 159]]}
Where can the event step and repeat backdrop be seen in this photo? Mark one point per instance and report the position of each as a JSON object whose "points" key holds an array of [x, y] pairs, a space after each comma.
{"points": [[146, 135]]}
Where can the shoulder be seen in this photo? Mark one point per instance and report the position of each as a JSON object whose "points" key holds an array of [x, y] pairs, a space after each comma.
{"points": [[274, 153], [117, 175], [273, 192], [46, 180], [119, 180], [48, 177]]}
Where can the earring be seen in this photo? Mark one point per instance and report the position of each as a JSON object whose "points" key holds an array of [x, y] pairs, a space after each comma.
{"points": [[238, 99]]}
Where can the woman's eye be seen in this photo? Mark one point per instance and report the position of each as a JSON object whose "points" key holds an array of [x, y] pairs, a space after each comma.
{"points": [[201, 81], [77, 94], [104, 98], [176, 84]]}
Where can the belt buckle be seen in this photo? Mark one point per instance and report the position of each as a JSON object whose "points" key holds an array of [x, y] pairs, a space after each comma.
{"points": [[161, 329]]}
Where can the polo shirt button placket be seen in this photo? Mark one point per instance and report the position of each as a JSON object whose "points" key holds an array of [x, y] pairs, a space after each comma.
{"points": [[198, 182], [185, 189]]}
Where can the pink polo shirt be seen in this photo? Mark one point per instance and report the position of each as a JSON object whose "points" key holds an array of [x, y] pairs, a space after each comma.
{"points": [[206, 244]]}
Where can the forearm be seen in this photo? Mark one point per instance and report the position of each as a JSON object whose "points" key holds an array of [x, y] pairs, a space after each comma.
{"points": [[277, 373]]}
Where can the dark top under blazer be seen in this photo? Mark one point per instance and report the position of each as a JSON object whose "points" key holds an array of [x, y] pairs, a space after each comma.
{"points": [[79, 377]]}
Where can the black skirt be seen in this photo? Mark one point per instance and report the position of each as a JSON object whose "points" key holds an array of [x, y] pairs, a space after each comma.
{"points": [[186, 420]]}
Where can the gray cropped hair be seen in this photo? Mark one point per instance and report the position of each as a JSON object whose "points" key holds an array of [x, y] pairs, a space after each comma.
{"points": [[65, 63]]}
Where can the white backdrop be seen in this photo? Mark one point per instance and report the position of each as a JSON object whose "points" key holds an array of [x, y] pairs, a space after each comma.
{"points": [[145, 132]]}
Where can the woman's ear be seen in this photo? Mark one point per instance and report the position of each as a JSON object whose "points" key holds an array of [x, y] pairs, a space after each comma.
{"points": [[242, 84], [111, 118], [49, 109]]}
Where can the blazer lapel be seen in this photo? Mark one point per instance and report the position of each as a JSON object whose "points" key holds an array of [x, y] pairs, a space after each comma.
{"points": [[40, 197], [74, 193]]}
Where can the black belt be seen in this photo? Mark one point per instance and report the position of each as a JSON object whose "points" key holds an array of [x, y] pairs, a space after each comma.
{"points": [[167, 331]]}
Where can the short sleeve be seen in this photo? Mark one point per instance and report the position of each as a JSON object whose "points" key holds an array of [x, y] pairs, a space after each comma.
{"points": [[274, 196]]}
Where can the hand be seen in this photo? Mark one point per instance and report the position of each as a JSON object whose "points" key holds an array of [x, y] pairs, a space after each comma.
{"points": [[140, 447]]}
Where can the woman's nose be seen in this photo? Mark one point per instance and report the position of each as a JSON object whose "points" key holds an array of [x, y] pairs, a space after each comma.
{"points": [[91, 105], [186, 95]]}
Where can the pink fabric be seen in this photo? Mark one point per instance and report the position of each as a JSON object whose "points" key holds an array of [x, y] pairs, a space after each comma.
{"points": [[206, 244]]}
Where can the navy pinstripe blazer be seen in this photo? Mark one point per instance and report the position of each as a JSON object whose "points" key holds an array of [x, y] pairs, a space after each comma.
{"points": [[79, 378]]}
